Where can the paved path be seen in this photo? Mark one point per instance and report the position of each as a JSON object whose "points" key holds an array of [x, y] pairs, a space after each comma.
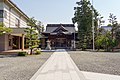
{"points": [[59, 67], [99, 76]]}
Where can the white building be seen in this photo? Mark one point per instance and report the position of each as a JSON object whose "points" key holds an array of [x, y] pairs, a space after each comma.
{"points": [[15, 19]]}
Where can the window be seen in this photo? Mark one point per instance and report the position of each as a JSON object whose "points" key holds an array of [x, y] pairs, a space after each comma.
{"points": [[5, 14], [1, 13], [17, 22]]}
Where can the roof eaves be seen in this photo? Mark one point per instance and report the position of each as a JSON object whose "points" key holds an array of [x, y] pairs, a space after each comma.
{"points": [[18, 9]]}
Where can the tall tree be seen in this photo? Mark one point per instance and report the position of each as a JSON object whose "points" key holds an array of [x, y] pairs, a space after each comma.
{"points": [[83, 17], [113, 21], [114, 25], [100, 23], [32, 34], [40, 26]]}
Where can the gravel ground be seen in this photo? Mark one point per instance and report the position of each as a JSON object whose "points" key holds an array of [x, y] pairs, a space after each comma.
{"points": [[100, 62], [21, 68]]}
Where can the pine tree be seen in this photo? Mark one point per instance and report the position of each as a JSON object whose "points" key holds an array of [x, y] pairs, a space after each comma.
{"points": [[32, 35], [4, 29]]}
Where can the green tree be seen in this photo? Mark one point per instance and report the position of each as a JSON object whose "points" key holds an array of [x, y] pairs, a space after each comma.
{"points": [[109, 25], [118, 35], [83, 17], [32, 35], [106, 41], [114, 25], [4, 29], [100, 23], [113, 21], [40, 28], [99, 41]]}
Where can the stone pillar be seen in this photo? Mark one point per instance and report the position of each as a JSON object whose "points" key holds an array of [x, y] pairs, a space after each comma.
{"points": [[23, 41], [74, 45]]}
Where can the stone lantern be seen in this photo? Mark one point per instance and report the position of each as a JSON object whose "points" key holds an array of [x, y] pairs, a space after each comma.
{"points": [[48, 45]]}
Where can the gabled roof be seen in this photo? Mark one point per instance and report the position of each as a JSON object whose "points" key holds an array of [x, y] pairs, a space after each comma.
{"points": [[50, 28], [61, 29]]}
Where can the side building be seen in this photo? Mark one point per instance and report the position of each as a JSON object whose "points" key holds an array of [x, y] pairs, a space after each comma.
{"points": [[11, 16], [59, 35]]}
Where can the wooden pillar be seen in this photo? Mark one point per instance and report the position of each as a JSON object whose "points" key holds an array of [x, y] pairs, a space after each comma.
{"points": [[19, 42], [23, 41], [42, 43]]}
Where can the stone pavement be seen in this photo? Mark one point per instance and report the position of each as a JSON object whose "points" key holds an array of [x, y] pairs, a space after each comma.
{"points": [[59, 67]]}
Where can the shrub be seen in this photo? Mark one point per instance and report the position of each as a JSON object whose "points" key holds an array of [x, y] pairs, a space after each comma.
{"points": [[38, 52], [22, 53]]}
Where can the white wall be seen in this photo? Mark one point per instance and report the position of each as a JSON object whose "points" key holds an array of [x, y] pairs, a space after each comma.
{"points": [[12, 14], [10, 21]]}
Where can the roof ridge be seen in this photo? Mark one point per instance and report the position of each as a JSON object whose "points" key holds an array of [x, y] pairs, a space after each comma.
{"points": [[57, 25], [60, 27]]}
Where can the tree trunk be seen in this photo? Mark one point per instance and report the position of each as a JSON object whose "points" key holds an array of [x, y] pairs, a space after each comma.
{"points": [[31, 52]]}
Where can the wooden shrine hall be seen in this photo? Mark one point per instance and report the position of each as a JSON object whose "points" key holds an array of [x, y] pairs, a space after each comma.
{"points": [[59, 35]]}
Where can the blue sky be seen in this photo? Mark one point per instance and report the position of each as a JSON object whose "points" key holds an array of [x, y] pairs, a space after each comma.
{"points": [[61, 11]]}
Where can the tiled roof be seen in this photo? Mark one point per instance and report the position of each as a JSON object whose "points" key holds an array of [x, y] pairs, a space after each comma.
{"points": [[107, 28], [52, 27]]}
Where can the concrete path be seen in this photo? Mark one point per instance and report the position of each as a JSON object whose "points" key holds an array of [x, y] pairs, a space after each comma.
{"points": [[59, 67], [99, 76]]}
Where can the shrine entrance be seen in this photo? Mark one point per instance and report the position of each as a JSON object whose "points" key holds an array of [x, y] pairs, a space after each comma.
{"points": [[61, 42]]}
